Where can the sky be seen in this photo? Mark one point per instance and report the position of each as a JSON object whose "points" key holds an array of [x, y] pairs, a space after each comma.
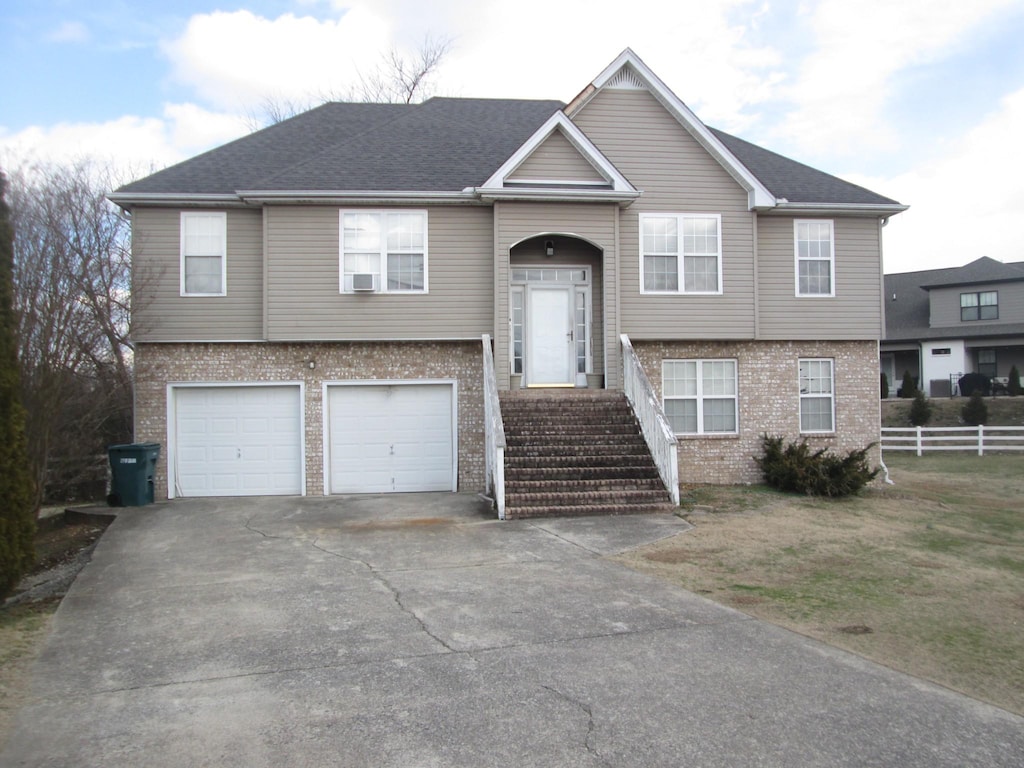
{"points": [[919, 100]]}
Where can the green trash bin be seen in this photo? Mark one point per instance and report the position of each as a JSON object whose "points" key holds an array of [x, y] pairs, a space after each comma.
{"points": [[132, 469]]}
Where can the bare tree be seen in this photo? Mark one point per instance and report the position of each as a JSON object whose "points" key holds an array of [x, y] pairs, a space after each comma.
{"points": [[72, 263], [403, 80], [397, 79]]}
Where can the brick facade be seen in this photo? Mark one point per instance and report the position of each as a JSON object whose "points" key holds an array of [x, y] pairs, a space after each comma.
{"points": [[769, 401], [157, 365]]}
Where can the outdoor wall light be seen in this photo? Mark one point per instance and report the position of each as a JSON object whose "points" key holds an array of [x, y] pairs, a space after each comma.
{"points": [[312, 364], [549, 247]]}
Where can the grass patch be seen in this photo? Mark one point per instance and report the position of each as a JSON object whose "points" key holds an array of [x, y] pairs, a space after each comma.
{"points": [[926, 576]]}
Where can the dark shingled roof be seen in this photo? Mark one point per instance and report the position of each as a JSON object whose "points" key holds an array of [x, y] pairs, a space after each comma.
{"points": [[441, 145], [796, 182], [907, 316]]}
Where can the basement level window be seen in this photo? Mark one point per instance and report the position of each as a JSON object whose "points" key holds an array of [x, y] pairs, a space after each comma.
{"points": [[941, 351]]}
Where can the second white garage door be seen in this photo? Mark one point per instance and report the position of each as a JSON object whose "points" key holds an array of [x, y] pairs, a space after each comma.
{"points": [[385, 438]]}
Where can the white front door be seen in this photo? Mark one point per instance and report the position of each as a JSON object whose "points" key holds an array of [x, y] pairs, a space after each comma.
{"points": [[550, 347]]}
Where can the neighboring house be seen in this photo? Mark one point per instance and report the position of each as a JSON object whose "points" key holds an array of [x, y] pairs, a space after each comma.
{"points": [[943, 323], [310, 299]]}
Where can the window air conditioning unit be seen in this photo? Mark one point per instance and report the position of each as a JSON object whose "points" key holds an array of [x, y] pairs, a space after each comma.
{"points": [[362, 281]]}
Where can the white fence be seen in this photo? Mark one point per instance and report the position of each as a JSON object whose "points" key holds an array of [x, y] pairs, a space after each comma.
{"points": [[494, 433], [978, 440], [653, 422]]}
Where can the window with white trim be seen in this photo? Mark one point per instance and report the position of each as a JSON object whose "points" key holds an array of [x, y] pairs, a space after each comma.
{"points": [[815, 257], [817, 395], [681, 253], [204, 253], [387, 249], [700, 396]]}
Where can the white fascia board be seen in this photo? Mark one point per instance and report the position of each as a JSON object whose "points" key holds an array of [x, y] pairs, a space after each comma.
{"points": [[558, 195], [758, 195], [355, 197], [173, 198], [577, 138], [787, 208]]}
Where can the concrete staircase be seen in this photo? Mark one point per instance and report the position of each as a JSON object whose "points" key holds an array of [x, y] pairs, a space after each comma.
{"points": [[577, 452]]}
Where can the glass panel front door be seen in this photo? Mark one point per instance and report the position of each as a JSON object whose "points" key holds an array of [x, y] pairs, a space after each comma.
{"points": [[550, 355]]}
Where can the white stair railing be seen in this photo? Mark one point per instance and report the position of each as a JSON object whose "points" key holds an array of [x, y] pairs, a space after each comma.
{"points": [[653, 421], [494, 433]]}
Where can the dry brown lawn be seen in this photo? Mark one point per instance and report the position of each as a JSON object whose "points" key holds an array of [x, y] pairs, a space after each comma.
{"points": [[925, 576]]}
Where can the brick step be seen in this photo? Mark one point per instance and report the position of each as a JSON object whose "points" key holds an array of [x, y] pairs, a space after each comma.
{"points": [[555, 498], [607, 461], [517, 474], [582, 442], [582, 435], [584, 510], [519, 486], [591, 448], [567, 395], [568, 422], [597, 428]]}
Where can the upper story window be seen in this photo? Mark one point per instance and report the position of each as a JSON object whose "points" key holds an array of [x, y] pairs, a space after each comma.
{"points": [[384, 251], [815, 258], [983, 305], [681, 253], [204, 253], [817, 396], [700, 396]]}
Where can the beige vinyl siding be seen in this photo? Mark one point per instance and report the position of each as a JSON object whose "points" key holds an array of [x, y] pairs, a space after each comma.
{"points": [[853, 313], [576, 253], [596, 223], [556, 159], [161, 313], [944, 304], [303, 297], [676, 175]]}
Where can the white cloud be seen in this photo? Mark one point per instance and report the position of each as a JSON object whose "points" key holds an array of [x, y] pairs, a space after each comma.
{"points": [[845, 83], [70, 32], [131, 144], [966, 203], [235, 60]]}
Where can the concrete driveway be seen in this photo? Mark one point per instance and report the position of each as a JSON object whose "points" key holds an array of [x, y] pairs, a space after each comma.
{"points": [[415, 631]]}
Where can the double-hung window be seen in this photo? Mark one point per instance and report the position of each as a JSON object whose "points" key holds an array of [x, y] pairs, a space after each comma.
{"points": [[384, 251], [817, 396], [681, 253], [203, 253], [815, 258], [979, 306], [699, 396]]}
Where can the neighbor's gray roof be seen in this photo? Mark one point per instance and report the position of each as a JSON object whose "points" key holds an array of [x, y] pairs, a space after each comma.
{"points": [[907, 315], [441, 145]]}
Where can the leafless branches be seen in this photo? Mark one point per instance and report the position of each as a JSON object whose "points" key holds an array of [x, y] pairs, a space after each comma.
{"points": [[72, 264], [396, 79]]}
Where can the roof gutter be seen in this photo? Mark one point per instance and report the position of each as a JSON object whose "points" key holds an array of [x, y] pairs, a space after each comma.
{"points": [[354, 196], [622, 197], [784, 206]]}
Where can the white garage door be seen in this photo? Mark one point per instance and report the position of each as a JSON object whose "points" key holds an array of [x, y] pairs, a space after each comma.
{"points": [[391, 438], [237, 441]]}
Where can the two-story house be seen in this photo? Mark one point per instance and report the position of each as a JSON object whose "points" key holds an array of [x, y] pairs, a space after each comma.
{"points": [[310, 299], [943, 323]]}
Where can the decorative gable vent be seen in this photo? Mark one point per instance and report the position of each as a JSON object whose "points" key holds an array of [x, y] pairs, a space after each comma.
{"points": [[626, 80]]}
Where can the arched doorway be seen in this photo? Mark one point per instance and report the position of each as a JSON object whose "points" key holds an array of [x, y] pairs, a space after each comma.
{"points": [[556, 318]]}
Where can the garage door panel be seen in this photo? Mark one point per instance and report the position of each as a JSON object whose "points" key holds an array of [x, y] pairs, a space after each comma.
{"points": [[233, 441], [391, 438]]}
